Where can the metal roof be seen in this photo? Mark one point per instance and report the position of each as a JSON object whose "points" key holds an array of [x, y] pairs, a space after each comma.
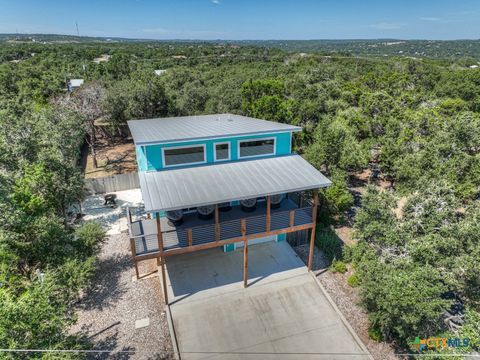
{"points": [[161, 130], [76, 82], [212, 184]]}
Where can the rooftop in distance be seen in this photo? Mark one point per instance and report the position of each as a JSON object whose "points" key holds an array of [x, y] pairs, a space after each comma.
{"points": [[161, 130]]}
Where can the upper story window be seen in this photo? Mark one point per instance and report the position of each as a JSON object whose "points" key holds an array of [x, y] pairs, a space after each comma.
{"points": [[222, 151], [184, 155], [257, 147]]}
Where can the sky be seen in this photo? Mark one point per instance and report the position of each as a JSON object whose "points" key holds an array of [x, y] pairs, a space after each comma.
{"points": [[246, 19]]}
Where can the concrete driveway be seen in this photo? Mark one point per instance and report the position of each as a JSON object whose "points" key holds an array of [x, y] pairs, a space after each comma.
{"points": [[283, 314]]}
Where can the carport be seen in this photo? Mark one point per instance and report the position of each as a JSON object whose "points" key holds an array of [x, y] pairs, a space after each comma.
{"points": [[283, 314]]}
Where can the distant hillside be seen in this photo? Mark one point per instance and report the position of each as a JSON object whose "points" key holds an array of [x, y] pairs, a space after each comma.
{"points": [[380, 47], [451, 49], [54, 38]]}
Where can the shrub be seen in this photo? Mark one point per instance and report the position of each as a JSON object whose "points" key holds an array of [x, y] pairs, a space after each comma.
{"points": [[337, 196], [330, 244], [90, 237], [375, 334], [339, 266], [353, 280]]}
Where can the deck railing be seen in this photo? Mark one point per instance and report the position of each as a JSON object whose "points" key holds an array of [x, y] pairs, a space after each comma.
{"points": [[208, 233]]}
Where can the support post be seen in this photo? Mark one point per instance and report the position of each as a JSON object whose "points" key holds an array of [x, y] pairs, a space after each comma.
{"points": [[291, 220], [129, 215], [162, 259], [136, 269], [314, 225], [164, 280], [268, 220], [189, 236], [159, 233], [134, 255], [217, 224], [245, 253]]}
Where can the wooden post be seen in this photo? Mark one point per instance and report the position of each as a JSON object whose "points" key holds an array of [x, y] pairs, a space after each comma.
{"points": [[189, 237], [129, 215], [245, 253], [164, 281], [134, 255], [136, 269], [162, 259], [159, 233], [243, 226], [217, 224], [312, 235], [291, 221], [268, 221]]}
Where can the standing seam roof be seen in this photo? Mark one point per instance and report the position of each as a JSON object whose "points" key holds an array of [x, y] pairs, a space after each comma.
{"points": [[161, 130], [223, 182]]}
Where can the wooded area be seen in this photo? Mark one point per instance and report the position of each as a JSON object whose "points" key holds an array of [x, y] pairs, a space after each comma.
{"points": [[414, 124]]}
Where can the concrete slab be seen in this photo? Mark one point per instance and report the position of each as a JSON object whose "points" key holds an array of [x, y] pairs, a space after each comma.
{"points": [[113, 219], [142, 323], [283, 314]]}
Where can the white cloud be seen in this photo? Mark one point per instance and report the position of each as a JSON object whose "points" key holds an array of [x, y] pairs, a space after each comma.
{"points": [[216, 2], [429, 18], [386, 26]]}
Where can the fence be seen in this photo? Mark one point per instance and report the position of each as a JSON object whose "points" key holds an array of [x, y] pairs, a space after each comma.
{"points": [[113, 183]]}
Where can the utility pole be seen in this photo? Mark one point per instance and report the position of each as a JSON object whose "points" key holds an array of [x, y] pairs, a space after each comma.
{"points": [[78, 33]]}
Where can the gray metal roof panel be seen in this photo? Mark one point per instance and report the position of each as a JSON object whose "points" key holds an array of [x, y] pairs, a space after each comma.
{"points": [[212, 184], [161, 130]]}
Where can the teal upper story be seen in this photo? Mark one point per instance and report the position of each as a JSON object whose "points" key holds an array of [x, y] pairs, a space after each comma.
{"points": [[169, 143]]}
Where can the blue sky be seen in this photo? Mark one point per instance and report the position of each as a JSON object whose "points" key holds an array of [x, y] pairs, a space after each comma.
{"points": [[246, 19]]}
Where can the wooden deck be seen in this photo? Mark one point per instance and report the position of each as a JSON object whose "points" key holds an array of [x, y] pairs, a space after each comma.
{"points": [[195, 231]]}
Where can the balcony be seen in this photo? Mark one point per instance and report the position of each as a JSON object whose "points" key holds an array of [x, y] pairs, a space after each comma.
{"points": [[235, 225]]}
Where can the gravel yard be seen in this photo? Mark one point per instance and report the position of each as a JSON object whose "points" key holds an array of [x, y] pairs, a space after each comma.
{"points": [[123, 317], [347, 300]]}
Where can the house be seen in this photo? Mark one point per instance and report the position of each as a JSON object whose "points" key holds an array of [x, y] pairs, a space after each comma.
{"points": [[102, 58], [74, 84], [159, 72], [219, 181]]}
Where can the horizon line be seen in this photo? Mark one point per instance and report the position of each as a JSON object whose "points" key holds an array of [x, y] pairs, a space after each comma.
{"points": [[226, 40]]}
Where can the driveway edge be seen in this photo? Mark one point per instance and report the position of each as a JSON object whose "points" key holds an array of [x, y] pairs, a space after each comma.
{"points": [[173, 337], [345, 322]]}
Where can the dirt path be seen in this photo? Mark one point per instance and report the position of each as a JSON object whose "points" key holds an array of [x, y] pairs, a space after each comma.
{"points": [[110, 311], [347, 300]]}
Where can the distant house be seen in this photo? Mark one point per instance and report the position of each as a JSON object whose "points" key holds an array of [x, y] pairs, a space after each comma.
{"points": [[220, 180], [473, 66], [159, 72], [102, 58], [74, 84]]}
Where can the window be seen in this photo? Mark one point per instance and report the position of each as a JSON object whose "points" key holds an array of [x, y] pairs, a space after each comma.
{"points": [[185, 155], [260, 147], [222, 151]]}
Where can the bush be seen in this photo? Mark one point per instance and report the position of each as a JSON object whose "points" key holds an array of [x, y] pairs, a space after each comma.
{"points": [[353, 280], [330, 244], [375, 334], [403, 300], [90, 237], [337, 196], [339, 266]]}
